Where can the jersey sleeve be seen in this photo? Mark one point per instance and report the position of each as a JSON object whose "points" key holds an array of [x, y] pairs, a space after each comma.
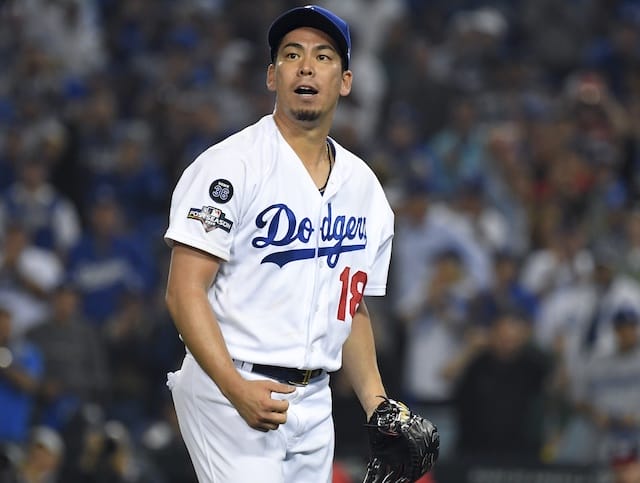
{"points": [[377, 284], [206, 203]]}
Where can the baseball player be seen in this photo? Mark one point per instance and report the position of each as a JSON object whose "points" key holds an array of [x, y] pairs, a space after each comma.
{"points": [[277, 233]]}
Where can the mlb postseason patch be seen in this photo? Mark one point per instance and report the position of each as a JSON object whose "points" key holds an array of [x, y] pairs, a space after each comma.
{"points": [[221, 190], [210, 218]]}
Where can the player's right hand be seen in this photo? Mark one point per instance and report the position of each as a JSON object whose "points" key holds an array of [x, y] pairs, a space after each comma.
{"points": [[254, 402]]}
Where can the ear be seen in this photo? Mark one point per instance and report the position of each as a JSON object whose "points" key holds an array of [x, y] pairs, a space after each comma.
{"points": [[271, 78], [347, 79]]}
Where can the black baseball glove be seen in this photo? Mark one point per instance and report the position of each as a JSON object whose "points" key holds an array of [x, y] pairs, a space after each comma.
{"points": [[403, 445]]}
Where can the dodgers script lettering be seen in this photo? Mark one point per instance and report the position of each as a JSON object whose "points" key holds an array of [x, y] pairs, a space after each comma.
{"points": [[282, 229]]}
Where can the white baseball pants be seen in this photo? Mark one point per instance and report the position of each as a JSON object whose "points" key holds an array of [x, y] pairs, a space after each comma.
{"points": [[224, 449]]}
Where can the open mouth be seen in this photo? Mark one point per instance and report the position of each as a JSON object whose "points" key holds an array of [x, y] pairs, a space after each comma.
{"points": [[306, 91]]}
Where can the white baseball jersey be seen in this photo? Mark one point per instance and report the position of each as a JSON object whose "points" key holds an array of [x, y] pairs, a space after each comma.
{"points": [[296, 263]]}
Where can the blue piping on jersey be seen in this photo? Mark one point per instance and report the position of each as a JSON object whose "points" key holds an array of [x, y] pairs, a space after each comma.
{"points": [[332, 254]]}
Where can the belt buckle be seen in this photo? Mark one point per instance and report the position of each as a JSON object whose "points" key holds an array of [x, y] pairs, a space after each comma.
{"points": [[305, 379]]}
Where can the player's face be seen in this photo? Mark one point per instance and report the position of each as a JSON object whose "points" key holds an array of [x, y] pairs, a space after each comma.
{"points": [[307, 75]]}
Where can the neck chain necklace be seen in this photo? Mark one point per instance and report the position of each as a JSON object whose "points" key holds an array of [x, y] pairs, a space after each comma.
{"points": [[330, 156]]}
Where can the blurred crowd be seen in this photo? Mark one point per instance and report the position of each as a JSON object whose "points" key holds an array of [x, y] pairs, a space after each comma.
{"points": [[505, 132]]}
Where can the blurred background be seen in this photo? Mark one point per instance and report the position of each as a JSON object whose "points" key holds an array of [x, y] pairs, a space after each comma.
{"points": [[507, 136]]}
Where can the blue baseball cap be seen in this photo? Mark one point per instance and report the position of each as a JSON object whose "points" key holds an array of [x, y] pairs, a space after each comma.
{"points": [[315, 17], [625, 316]]}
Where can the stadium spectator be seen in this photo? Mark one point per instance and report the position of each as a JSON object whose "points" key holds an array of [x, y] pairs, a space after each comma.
{"points": [[436, 323], [509, 183], [52, 220], [424, 228], [435, 326], [499, 395], [106, 265], [21, 368], [28, 274], [69, 31], [43, 456], [75, 361], [138, 182], [458, 151], [630, 250], [625, 463], [163, 445], [132, 396], [576, 322], [608, 388], [505, 294], [561, 260], [484, 222]]}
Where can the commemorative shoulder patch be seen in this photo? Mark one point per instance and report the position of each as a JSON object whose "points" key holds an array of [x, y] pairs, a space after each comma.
{"points": [[221, 190], [211, 218]]}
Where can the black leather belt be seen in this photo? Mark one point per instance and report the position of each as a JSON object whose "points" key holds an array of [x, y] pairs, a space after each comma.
{"points": [[288, 375]]}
